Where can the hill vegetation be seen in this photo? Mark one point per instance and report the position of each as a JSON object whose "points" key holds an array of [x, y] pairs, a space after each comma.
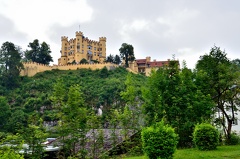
{"points": [[77, 105]]}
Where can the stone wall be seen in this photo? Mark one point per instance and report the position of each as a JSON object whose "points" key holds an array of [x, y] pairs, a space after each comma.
{"points": [[32, 68]]}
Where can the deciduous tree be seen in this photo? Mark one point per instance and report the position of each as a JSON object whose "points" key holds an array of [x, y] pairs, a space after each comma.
{"points": [[10, 65], [217, 76], [127, 53], [39, 53]]}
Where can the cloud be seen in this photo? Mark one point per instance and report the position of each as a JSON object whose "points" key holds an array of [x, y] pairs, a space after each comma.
{"points": [[155, 28], [9, 32]]}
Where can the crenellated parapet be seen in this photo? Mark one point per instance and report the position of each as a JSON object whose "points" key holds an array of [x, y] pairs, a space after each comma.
{"points": [[102, 39], [32, 68], [64, 38], [79, 33]]}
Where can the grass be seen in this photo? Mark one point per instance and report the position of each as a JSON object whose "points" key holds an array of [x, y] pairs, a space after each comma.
{"points": [[222, 152]]}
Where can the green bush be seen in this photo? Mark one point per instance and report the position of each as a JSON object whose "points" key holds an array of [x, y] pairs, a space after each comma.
{"points": [[205, 137], [159, 141], [233, 140]]}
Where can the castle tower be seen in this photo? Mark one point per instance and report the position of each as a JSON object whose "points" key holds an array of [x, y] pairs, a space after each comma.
{"points": [[64, 51], [81, 47], [102, 48]]}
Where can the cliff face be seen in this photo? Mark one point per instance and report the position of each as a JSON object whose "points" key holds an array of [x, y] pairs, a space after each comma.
{"points": [[32, 68]]}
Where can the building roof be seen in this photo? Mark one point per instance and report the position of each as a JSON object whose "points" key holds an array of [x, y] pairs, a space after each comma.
{"points": [[140, 61], [158, 63]]}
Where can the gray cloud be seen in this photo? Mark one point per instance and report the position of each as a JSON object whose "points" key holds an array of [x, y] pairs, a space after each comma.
{"points": [[156, 28], [8, 32]]}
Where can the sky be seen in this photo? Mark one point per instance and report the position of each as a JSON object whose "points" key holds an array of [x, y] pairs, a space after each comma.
{"points": [[162, 29]]}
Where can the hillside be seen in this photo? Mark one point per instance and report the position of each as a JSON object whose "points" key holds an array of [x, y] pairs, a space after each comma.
{"points": [[99, 87]]}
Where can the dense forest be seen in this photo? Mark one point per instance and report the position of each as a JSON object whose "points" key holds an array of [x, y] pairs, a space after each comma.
{"points": [[70, 105]]}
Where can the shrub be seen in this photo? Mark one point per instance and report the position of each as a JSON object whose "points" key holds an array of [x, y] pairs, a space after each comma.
{"points": [[205, 137], [159, 141], [233, 140]]}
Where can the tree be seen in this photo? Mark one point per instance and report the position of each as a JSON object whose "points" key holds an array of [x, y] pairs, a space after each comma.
{"points": [[127, 53], [39, 53], [10, 65], [4, 113], [159, 141], [117, 59], [110, 58], [72, 115], [83, 61], [222, 84], [172, 94]]}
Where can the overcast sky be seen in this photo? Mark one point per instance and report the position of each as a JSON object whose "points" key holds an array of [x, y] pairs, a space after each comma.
{"points": [[156, 28]]}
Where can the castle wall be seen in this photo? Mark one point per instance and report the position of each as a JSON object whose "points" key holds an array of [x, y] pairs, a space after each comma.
{"points": [[32, 68]]}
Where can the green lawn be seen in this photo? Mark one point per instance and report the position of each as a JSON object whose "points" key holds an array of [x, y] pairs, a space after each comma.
{"points": [[222, 152]]}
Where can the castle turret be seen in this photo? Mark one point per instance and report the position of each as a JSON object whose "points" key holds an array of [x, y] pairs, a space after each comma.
{"points": [[102, 48], [63, 60]]}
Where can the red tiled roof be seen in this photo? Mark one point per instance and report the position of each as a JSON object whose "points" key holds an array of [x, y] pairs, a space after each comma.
{"points": [[158, 63], [138, 61]]}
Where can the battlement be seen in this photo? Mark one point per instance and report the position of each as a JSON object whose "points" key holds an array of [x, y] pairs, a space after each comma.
{"points": [[79, 33], [102, 39], [32, 68], [64, 38]]}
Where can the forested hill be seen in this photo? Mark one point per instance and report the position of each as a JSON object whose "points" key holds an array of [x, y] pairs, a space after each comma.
{"points": [[33, 95]]}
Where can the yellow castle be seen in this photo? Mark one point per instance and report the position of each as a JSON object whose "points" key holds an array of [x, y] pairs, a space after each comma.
{"points": [[80, 47]]}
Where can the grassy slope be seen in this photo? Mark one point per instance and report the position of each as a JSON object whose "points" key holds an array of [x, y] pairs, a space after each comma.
{"points": [[222, 152]]}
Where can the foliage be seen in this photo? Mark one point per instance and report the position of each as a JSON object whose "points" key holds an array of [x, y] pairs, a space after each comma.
{"points": [[223, 85], [110, 58], [72, 115], [4, 113], [173, 94], [234, 139], [9, 154], [113, 59], [206, 137], [83, 61], [34, 135], [127, 53], [117, 59], [159, 141], [10, 65], [39, 53], [10, 145]]}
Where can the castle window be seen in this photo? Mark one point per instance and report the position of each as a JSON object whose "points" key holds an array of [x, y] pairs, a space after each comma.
{"points": [[94, 53], [65, 48], [94, 48], [78, 39]]}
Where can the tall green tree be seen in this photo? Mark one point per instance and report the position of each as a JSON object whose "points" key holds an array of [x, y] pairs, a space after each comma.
{"points": [[219, 77], [127, 53], [172, 94], [10, 65], [72, 115], [39, 53]]}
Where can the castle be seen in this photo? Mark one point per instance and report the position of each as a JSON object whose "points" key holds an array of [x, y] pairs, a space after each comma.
{"points": [[74, 50], [80, 47]]}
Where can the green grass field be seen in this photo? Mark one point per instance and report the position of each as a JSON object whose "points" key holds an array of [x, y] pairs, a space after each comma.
{"points": [[222, 152]]}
